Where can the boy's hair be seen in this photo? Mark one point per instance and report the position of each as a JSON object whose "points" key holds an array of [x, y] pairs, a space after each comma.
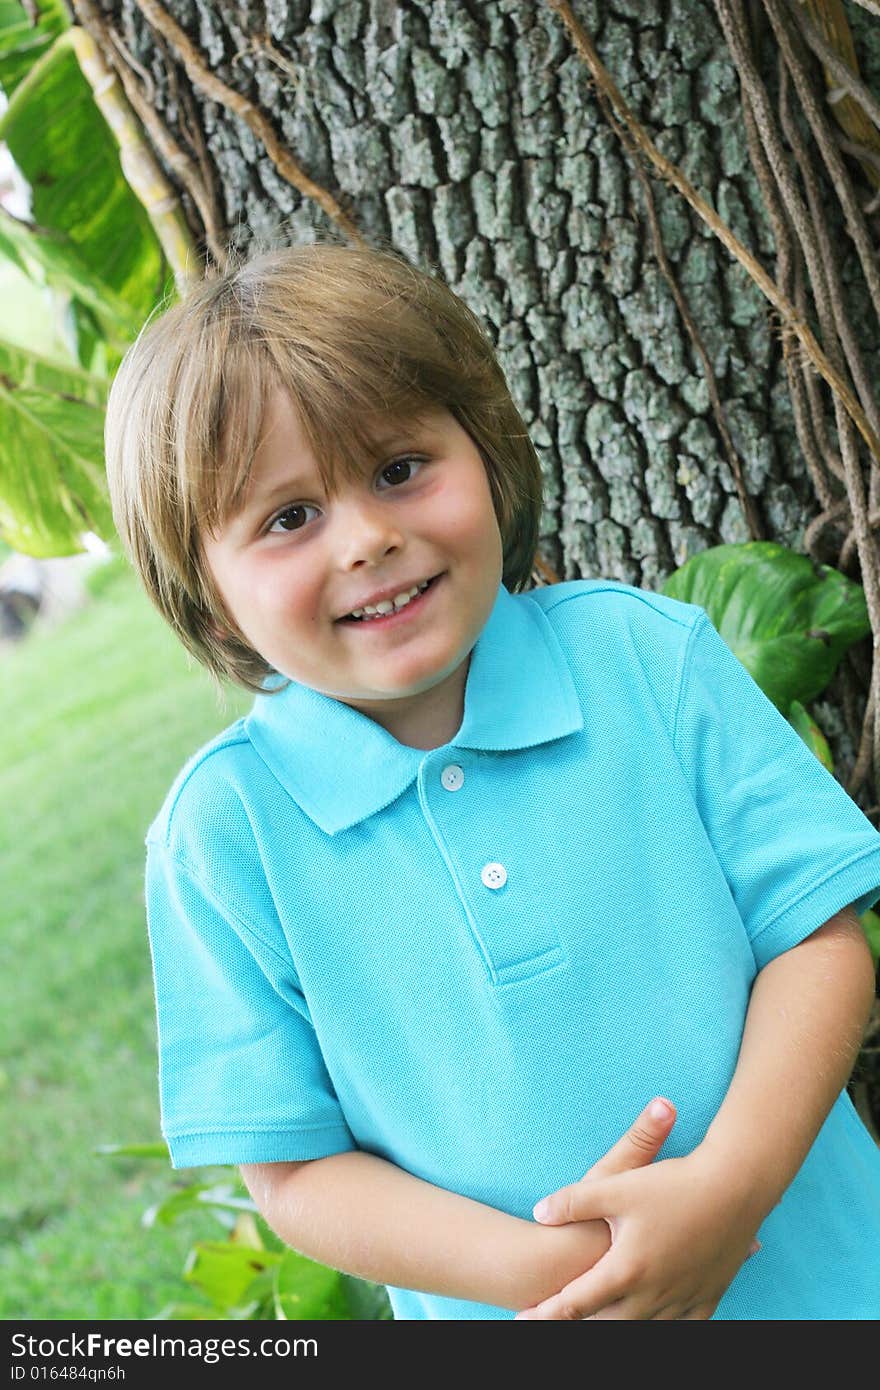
{"points": [[356, 336]]}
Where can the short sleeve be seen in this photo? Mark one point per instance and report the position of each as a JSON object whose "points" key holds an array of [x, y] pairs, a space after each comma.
{"points": [[793, 845], [241, 1074]]}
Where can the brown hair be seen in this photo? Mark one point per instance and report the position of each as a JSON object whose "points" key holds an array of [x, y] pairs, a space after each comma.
{"points": [[352, 334]]}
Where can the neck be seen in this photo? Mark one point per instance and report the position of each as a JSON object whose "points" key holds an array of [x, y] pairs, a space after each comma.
{"points": [[426, 720]]}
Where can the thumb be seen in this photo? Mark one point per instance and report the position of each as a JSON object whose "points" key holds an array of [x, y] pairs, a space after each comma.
{"points": [[637, 1148]]}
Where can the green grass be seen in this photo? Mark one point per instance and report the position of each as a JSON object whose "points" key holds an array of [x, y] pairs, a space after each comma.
{"points": [[96, 718]]}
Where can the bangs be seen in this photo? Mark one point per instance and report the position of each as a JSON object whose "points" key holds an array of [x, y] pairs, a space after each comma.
{"points": [[346, 407]]}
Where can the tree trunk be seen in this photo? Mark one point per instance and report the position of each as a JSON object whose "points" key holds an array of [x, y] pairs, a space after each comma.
{"points": [[469, 136]]}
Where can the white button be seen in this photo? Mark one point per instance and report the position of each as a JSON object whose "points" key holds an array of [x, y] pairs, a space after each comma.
{"points": [[494, 875], [452, 777]]}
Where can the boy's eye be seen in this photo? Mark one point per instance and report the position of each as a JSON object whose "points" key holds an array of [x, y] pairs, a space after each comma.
{"points": [[401, 470], [291, 519]]}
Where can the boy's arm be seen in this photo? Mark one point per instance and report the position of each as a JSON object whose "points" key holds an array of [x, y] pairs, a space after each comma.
{"points": [[804, 1026], [696, 1215], [358, 1212]]}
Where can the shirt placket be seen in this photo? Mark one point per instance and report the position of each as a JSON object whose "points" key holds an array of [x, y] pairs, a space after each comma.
{"points": [[512, 924]]}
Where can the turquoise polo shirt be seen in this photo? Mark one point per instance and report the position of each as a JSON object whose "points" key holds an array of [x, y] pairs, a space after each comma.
{"points": [[480, 961]]}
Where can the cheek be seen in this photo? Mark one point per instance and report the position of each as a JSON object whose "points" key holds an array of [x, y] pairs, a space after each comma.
{"points": [[470, 516], [478, 527], [262, 594], [288, 594]]}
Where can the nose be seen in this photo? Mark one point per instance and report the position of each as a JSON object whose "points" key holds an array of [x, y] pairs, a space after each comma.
{"points": [[366, 531]]}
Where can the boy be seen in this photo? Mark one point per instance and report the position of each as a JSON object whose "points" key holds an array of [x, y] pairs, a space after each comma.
{"points": [[483, 870]]}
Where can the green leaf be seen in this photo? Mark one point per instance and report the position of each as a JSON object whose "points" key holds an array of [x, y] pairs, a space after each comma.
{"points": [[307, 1290], [227, 1272], [367, 1302], [245, 1231], [871, 923], [788, 622], [98, 354], [158, 1150], [166, 1211], [51, 257], [811, 734], [29, 369], [222, 1197], [62, 144], [52, 483], [189, 1312], [35, 316], [21, 42]]}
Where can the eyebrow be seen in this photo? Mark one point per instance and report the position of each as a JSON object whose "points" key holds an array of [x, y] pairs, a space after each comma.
{"points": [[290, 487], [405, 430], [397, 436]]}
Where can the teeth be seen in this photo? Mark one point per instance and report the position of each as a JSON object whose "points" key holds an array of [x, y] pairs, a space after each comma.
{"points": [[390, 605]]}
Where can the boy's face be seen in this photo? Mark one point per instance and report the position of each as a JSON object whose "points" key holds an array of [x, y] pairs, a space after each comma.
{"points": [[294, 561]]}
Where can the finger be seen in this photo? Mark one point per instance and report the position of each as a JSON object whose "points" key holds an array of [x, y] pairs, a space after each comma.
{"points": [[641, 1143], [629, 1310], [589, 1295], [569, 1310], [619, 1311], [588, 1200], [636, 1149], [754, 1248]]}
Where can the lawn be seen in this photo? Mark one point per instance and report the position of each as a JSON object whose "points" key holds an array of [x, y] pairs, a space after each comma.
{"points": [[96, 717]]}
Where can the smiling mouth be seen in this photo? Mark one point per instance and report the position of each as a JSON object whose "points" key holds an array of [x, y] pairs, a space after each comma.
{"points": [[384, 619]]}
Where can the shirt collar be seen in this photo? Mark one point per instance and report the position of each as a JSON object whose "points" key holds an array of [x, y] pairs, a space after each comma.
{"points": [[341, 766]]}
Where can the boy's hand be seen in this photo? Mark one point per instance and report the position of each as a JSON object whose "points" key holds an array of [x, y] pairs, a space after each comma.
{"points": [[676, 1242]]}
